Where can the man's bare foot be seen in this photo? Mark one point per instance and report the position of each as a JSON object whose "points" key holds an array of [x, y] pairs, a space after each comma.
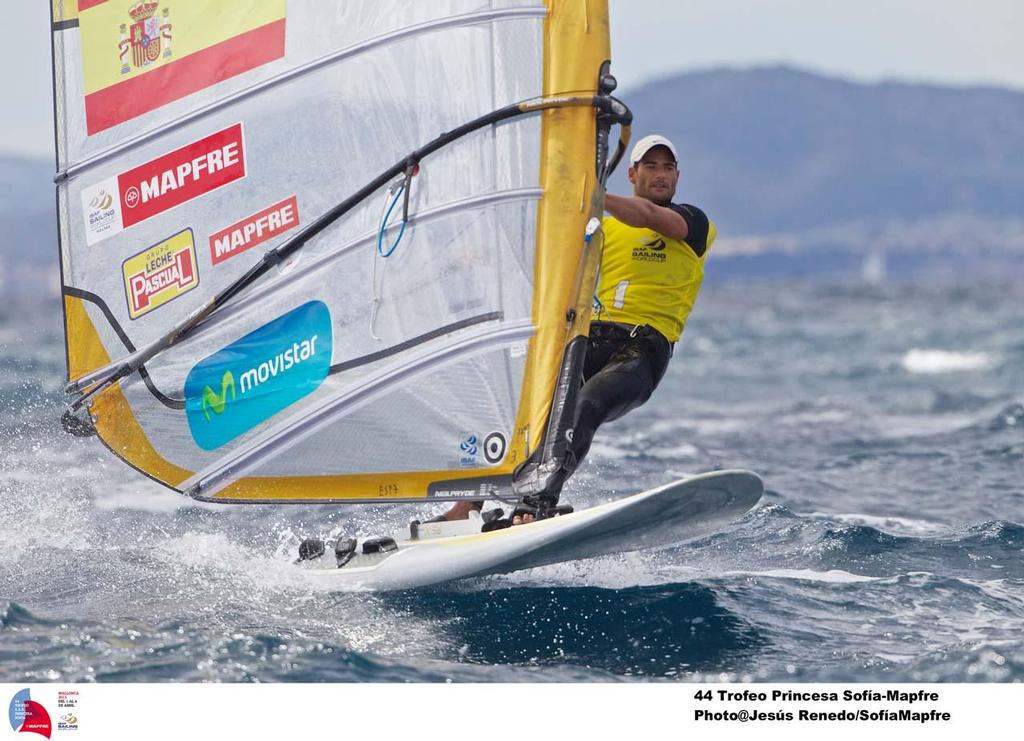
{"points": [[523, 519], [461, 510]]}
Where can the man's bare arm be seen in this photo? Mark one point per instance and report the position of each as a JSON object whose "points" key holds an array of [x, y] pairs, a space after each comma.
{"points": [[641, 213]]}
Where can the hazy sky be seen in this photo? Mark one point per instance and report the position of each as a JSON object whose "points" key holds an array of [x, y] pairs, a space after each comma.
{"points": [[943, 41]]}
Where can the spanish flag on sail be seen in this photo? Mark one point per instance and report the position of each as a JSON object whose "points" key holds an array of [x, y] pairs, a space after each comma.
{"points": [[138, 55]]}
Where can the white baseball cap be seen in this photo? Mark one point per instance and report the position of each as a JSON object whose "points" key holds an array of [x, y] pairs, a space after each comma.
{"points": [[648, 143]]}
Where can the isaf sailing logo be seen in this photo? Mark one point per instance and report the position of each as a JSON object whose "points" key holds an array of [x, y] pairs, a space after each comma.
{"points": [[494, 447], [102, 214], [68, 700], [102, 201], [468, 450], [259, 375], [141, 42], [650, 249]]}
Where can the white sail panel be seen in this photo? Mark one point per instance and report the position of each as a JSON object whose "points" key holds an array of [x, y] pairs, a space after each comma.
{"points": [[352, 371]]}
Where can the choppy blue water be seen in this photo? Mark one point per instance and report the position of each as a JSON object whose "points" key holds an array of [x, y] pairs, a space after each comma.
{"points": [[887, 422]]}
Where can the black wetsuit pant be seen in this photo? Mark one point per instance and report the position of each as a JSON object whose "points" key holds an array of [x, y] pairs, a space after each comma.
{"points": [[623, 366]]}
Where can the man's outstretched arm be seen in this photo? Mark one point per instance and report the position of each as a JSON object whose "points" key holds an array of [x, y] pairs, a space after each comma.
{"points": [[644, 214]]}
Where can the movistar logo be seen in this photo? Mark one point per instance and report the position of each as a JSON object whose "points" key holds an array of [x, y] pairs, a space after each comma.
{"points": [[217, 403], [255, 377], [279, 363]]}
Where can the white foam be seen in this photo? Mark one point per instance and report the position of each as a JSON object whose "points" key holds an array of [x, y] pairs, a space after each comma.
{"points": [[604, 449], [617, 571], [895, 525], [944, 361], [218, 557], [154, 500], [1003, 590], [832, 576], [826, 416], [892, 427], [719, 426], [683, 450]]}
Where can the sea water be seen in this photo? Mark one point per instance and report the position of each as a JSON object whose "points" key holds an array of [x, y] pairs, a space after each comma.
{"points": [[887, 422]]}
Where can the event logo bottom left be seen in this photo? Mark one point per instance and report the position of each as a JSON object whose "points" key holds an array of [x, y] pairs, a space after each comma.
{"points": [[28, 716]]}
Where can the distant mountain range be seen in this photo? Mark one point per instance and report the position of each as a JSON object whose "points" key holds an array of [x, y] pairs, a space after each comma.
{"points": [[778, 150], [804, 175]]}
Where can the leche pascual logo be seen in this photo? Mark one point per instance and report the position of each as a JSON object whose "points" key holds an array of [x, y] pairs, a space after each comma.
{"points": [[160, 273]]}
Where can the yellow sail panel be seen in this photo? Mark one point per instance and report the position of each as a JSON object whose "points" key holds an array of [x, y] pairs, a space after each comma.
{"points": [[576, 45], [64, 11], [371, 487], [86, 352], [113, 417]]}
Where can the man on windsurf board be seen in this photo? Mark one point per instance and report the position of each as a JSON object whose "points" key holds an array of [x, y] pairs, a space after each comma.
{"points": [[651, 273]]}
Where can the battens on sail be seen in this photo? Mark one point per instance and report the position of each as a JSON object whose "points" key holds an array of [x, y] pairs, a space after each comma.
{"points": [[232, 328]]}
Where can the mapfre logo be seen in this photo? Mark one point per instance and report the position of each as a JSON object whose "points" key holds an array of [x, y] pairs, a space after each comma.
{"points": [[28, 716], [254, 230], [180, 176], [163, 183]]}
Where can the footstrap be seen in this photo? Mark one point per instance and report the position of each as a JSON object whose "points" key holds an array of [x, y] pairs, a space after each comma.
{"points": [[539, 513]]}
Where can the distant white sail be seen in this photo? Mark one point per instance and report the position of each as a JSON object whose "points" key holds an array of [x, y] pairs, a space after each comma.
{"points": [[263, 300]]}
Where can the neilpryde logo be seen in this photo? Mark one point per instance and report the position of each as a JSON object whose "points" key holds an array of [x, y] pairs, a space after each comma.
{"points": [[28, 716], [254, 378]]}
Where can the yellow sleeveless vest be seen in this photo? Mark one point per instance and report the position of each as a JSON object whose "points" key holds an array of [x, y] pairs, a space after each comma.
{"points": [[647, 278]]}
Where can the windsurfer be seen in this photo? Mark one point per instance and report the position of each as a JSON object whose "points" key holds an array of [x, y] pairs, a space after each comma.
{"points": [[651, 273]]}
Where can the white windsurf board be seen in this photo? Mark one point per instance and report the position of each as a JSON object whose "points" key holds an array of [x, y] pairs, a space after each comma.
{"points": [[667, 515]]}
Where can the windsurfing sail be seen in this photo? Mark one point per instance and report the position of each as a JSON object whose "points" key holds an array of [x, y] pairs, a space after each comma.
{"points": [[331, 252]]}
